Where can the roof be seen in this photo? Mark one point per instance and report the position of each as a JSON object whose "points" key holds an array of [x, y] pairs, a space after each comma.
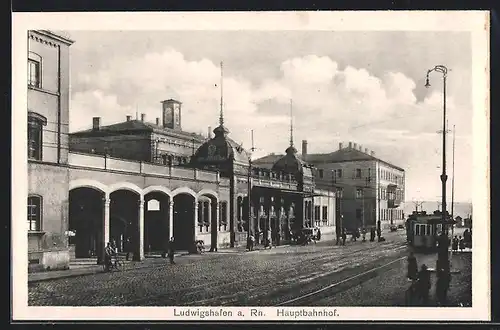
{"points": [[267, 161], [339, 156], [137, 126], [220, 149], [345, 155], [60, 36]]}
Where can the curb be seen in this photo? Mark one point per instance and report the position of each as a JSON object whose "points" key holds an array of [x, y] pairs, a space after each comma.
{"points": [[92, 270]]}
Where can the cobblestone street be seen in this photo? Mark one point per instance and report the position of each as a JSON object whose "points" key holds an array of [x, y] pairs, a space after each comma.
{"points": [[261, 278]]}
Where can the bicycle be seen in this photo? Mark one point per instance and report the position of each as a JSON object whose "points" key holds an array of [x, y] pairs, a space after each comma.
{"points": [[114, 264]]}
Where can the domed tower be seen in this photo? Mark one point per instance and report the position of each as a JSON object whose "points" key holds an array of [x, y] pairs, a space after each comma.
{"points": [[221, 152], [291, 163]]}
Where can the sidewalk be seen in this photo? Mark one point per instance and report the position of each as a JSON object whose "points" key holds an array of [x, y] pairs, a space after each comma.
{"points": [[93, 269]]}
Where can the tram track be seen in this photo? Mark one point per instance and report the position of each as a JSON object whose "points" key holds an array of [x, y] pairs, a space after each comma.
{"points": [[305, 299], [160, 300], [177, 294]]}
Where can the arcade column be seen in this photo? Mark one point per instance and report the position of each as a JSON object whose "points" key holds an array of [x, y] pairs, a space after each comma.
{"points": [[195, 218], [210, 215], [139, 256], [217, 215], [171, 218], [105, 228]]}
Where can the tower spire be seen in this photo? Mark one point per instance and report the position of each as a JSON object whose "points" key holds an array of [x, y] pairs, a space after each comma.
{"points": [[291, 149], [221, 130], [291, 123], [221, 117]]}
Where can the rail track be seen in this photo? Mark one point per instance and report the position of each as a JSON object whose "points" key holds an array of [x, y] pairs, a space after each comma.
{"points": [[304, 299], [174, 296]]}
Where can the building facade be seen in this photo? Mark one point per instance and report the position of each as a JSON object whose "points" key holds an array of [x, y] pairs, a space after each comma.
{"points": [[48, 176], [162, 142], [369, 191], [138, 183]]}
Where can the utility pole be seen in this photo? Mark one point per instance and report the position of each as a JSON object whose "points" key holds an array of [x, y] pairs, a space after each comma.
{"points": [[250, 217], [452, 195], [417, 205]]}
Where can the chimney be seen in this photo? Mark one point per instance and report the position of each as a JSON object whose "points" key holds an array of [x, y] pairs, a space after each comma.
{"points": [[304, 148], [355, 146], [360, 147], [157, 121], [366, 150], [129, 118], [372, 153], [96, 123], [340, 146], [350, 145], [143, 117], [209, 132]]}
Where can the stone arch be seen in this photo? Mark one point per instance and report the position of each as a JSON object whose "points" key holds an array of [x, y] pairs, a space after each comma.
{"points": [[161, 189], [208, 192], [88, 183], [184, 190], [126, 186]]}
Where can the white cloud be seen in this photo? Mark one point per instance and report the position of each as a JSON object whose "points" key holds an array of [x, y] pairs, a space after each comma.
{"points": [[331, 105]]}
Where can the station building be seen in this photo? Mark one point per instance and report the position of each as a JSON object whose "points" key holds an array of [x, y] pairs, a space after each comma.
{"points": [[369, 191], [147, 182]]}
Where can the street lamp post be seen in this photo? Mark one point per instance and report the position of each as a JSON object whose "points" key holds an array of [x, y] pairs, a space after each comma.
{"points": [[443, 260]]}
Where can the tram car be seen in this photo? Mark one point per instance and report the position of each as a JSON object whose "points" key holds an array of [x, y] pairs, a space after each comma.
{"points": [[422, 229]]}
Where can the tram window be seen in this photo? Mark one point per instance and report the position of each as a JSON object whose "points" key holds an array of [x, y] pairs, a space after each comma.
{"points": [[417, 230], [429, 230]]}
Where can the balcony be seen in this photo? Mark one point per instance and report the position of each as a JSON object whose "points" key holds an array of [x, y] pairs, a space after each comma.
{"points": [[267, 178], [99, 162]]}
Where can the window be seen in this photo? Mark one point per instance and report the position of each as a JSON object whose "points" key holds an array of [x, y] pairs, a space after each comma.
{"points": [[316, 212], [206, 209], [223, 216], [358, 173], [240, 207], [339, 173], [340, 192], [34, 213], [35, 141], [317, 215], [359, 193], [320, 172], [325, 214], [358, 213], [34, 73], [429, 230], [200, 216]]}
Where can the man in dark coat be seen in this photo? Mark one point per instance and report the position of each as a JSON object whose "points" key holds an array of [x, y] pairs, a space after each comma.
{"points": [[442, 284], [424, 284], [171, 250], [412, 267], [372, 234]]}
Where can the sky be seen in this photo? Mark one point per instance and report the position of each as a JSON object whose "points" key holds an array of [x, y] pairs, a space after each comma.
{"points": [[364, 87]]}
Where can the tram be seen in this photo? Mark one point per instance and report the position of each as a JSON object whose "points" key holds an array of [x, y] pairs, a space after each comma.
{"points": [[422, 229]]}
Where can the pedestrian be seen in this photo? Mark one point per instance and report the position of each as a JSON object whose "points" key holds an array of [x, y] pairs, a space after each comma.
{"points": [[250, 242], [108, 255], [454, 243], [442, 284], [363, 231], [338, 233], [379, 234], [171, 250], [412, 267], [424, 284], [128, 248], [467, 238], [372, 234], [344, 236], [461, 243]]}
